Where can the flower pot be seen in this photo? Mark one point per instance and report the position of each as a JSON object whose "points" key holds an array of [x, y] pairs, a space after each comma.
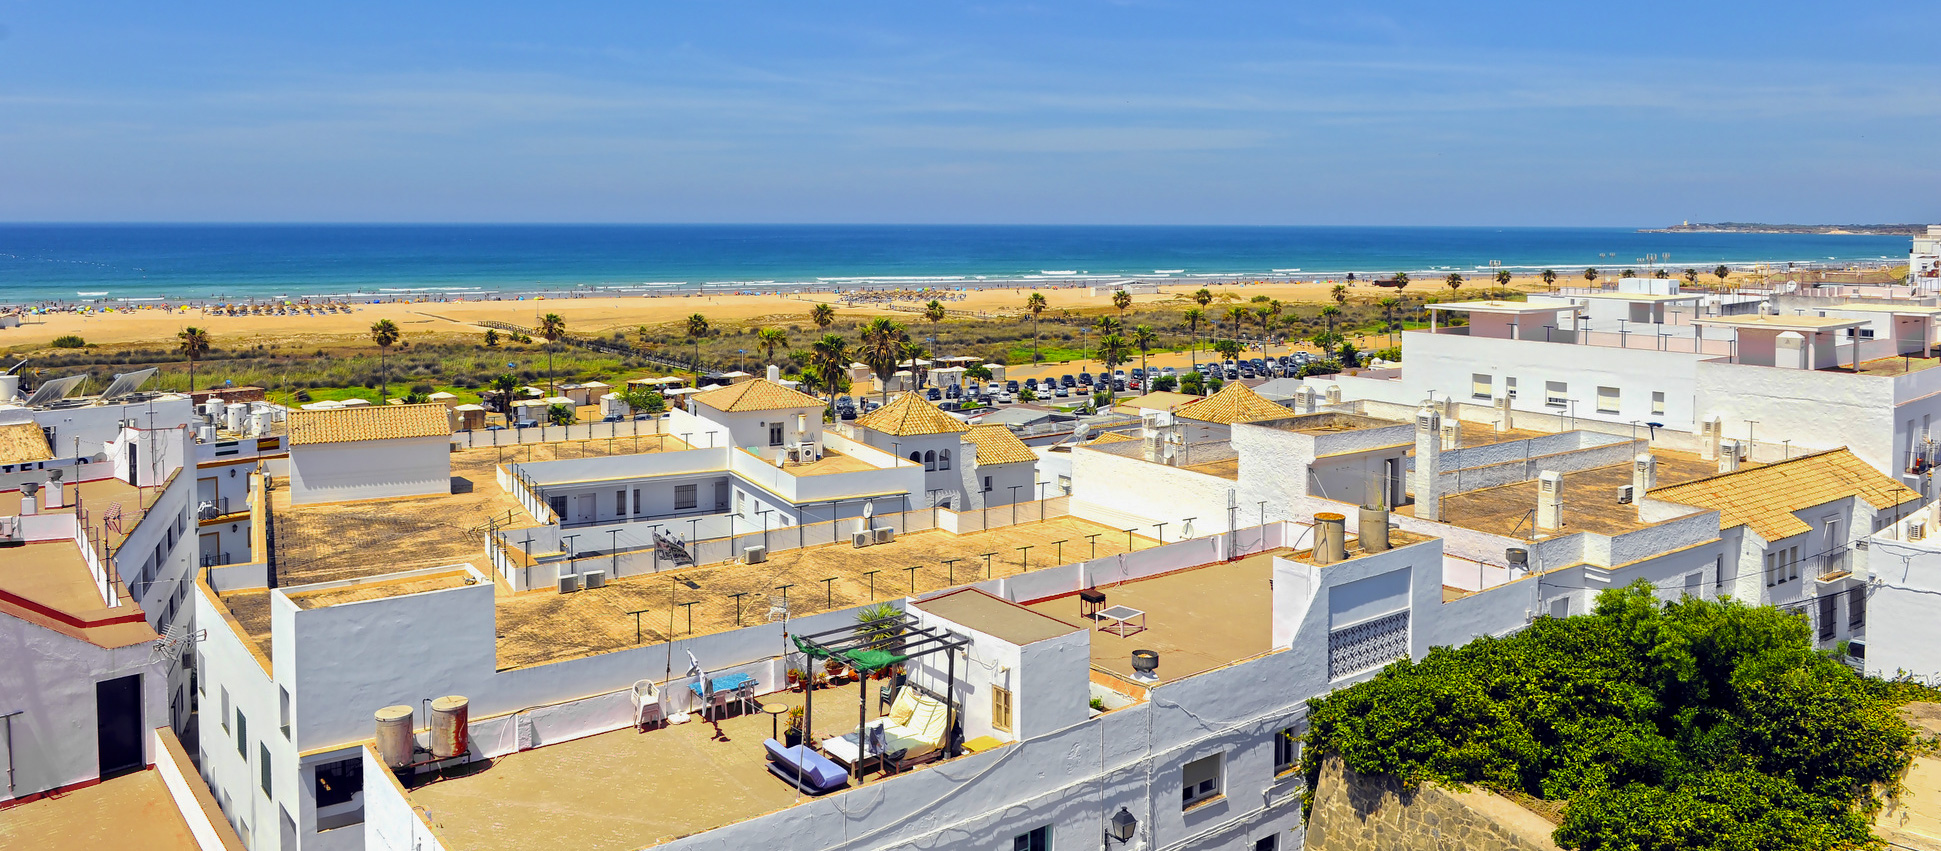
{"points": [[791, 738]]}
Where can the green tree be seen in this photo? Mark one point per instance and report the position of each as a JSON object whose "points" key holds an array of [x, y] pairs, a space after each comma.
{"points": [[1328, 315], [385, 334], [1549, 278], [1454, 281], [1193, 316], [1144, 338], [1591, 274], [1121, 300], [772, 338], [823, 316], [697, 327], [1035, 305], [828, 369], [1340, 293], [1203, 296], [642, 400], [1228, 349], [1107, 325], [1193, 382], [1502, 277], [978, 371], [1388, 316], [491, 338], [1691, 277], [883, 340], [935, 312], [194, 344], [552, 327], [1401, 280], [505, 384], [561, 414], [643, 339], [1237, 315], [914, 351], [1721, 273]]}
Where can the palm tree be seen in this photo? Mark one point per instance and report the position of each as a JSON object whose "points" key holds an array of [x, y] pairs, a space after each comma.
{"points": [[1454, 281], [1113, 350], [914, 351], [823, 316], [1107, 325], [1401, 280], [505, 384], [935, 312], [829, 364], [1329, 313], [1721, 272], [1035, 305], [1388, 316], [1340, 293], [1549, 279], [1591, 274], [697, 327], [1502, 277], [1264, 313], [1121, 300], [195, 344], [1194, 316], [1237, 314], [771, 339], [385, 334], [1691, 277], [491, 338], [1144, 337], [552, 327], [1203, 296], [882, 349]]}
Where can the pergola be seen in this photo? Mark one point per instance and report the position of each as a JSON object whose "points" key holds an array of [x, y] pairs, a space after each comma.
{"points": [[872, 646]]}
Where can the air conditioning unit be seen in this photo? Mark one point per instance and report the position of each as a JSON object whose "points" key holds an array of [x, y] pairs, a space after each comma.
{"points": [[568, 583], [754, 555], [885, 534], [861, 539], [594, 578], [1625, 494]]}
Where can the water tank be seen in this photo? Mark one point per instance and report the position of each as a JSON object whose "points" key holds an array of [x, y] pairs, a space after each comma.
{"points": [[212, 406], [234, 416], [449, 717], [260, 420], [9, 387], [394, 743]]}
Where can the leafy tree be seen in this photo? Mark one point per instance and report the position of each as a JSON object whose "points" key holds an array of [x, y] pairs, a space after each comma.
{"points": [[823, 316], [68, 341], [385, 334], [883, 340], [491, 338], [828, 368], [1166, 382], [1318, 367], [1035, 305], [1340, 293], [978, 371], [1661, 274], [1691, 277], [1629, 273], [1721, 273], [416, 397], [642, 400], [1228, 349], [505, 384], [772, 338], [1591, 274], [1193, 382], [1121, 300], [1114, 350], [561, 414], [194, 344], [697, 327], [1347, 355], [914, 351], [1025, 394], [552, 327], [1549, 278], [1454, 281], [1144, 338], [1193, 316]]}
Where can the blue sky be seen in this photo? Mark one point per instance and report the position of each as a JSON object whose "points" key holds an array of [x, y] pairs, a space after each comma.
{"points": [[1080, 112]]}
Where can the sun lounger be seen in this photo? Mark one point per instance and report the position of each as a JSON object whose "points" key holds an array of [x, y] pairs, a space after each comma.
{"points": [[804, 769]]}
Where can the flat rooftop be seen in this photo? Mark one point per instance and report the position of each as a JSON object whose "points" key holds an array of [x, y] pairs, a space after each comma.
{"points": [[134, 810], [1889, 366], [99, 499], [52, 574], [1589, 505], [1228, 469], [625, 790], [1196, 619], [830, 462]]}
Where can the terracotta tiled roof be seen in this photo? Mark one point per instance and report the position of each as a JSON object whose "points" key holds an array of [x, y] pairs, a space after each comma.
{"points": [[1110, 437], [909, 415], [23, 443], [1765, 498], [760, 394], [997, 445], [1159, 400], [1235, 403], [374, 422]]}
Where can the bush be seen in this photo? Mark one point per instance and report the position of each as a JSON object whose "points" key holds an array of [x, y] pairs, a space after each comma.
{"points": [[1392, 353], [1165, 383], [1318, 367], [69, 341]]}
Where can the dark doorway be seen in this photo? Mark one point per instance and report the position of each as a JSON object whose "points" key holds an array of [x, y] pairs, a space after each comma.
{"points": [[118, 716]]}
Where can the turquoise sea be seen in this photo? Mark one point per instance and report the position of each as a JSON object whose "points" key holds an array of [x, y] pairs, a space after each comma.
{"points": [[70, 263]]}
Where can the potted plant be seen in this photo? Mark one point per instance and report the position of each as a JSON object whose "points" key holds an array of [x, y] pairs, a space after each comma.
{"points": [[834, 668], [821, 680], [796, 676], [793, 735]]}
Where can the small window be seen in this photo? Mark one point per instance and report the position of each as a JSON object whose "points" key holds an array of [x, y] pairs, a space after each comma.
{"points": [[1065, 484], [338, 782], [775, 434], [1287, 751], [263, 757], [930, 461], [1200, 781], [943, 459], [1607, 400], [1001, 709], [283, 708], [686, 496], [620, 502], [636, 500], [225, 709], [242, 734], [1792, 563], [1856, 609], [987, 484], [1481, 385], [1267, 843], [1658, 402], [1039, 839], [1772, 569], [1556, 394], [1827, 612]]}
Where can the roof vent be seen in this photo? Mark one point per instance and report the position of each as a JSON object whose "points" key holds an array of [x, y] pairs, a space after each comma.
{"points": [[1145, 664]]}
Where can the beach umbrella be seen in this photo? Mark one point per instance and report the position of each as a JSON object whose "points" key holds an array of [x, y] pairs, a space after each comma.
{"points": [[700, 674]]}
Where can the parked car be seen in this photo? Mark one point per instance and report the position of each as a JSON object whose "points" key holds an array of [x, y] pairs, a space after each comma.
{"points": [[1011, 386], [1062, 392], [1118, 386], [1085, 379], [1066, 381]]}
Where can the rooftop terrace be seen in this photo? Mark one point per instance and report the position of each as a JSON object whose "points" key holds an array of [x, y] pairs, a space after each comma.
{"points": [[131, 811], [1888, 366], [51, 576], [1589, 500]]}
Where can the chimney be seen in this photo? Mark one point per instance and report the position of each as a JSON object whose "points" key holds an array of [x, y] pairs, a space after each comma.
{"points": [[1708, 438], [1304, 399], [1451, 433], [1330, 538], [1428, 464], [1550, 501], [1334, 394], [1729, 456], [56, 491], [29, 505], [1374, 529], [774, 372], [1505, 419], [1644, 475]]}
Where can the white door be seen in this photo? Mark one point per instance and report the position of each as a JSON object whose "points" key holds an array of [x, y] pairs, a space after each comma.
{"points": [[584, 507]]}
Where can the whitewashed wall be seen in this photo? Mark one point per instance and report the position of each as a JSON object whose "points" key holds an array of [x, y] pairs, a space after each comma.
{"points": [[371, 469]]}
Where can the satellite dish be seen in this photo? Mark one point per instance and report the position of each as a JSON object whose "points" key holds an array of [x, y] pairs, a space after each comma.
{"points": [[869, 509]]}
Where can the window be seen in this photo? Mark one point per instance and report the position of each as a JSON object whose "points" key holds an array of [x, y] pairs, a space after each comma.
{"points": [[1481, 385], [1267, 843], [201, 665], [636, 500], [242, 734], [987, 484], [775, 434], [1509, 386], [1772, 569], [1856, 609], [620, 501], [943, 459], [338, 782], [1001, 709], [1369, 644], [283, 708], [1200, 781], [741, 503], [1658, 402], [263, 757], [1607, 400], [1039, 839], [1065, 484], [1556, 394], [225, 709], [686, 496], [1792, 563], [1827, 604], [1287, 751], [930, 461]]}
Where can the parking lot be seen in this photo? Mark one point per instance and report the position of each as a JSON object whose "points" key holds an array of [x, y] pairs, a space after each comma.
{"points": [[1060, 389]]}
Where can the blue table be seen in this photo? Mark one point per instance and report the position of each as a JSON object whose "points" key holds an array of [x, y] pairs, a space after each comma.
{"points": [[726, 683]]}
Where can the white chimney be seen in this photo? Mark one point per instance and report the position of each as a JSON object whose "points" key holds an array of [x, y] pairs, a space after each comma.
{"points": [[1334, 394], [1428, 464], [774, 372], [1729, 456], [56, 491], [1451, 434], [1550, 501], [1708, 438], [1644, 475], [29, 505], [1505, 418], [1304, 399]]}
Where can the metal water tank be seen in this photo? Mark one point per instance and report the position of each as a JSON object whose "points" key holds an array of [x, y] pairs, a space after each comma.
{"points": [[235, 414], [9, 387], [394, 741], [212, 406], [449, 726], [260, 420]]}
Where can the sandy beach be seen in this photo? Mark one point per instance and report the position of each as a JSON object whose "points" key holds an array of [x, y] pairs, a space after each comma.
{"points": [[594, 315]]}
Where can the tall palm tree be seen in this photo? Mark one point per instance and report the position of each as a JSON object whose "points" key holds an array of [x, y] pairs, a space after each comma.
{"points": [[1203, 296], [1113, 350], [1388, 316], [1340, 293], [1328, 314], [1454, 281], [1121, 300], [1401, 280], [1502, 277], [1691, 277], [823, 316], [552, 327], [772, 339], [1721, 272], [195, 344], [697, 327], [829, 364], [1035, 304], [505, 384], [935, 312], [385, 334], [1144, 338], [1264, 313], [1590, 274], [914, 351], [1237, 314], [1194, 316], [882, 349], [1107, 325], [1549, 279]]}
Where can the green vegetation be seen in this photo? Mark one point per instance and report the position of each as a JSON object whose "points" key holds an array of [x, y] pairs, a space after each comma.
{"points": [[1684, 725], [68, 341]]}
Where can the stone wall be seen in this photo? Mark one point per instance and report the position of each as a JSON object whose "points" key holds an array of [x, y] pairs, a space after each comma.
{"points": [[1353, 812]]}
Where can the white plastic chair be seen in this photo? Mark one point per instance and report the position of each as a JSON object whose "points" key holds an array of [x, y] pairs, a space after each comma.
{"points": [[647, 707]]}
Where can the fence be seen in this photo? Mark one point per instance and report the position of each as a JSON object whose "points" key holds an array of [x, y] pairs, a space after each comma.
{"points": [[557, 434]]}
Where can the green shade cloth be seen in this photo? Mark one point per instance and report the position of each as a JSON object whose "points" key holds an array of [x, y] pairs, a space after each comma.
{"points": [[872, 660], [809, 649]]}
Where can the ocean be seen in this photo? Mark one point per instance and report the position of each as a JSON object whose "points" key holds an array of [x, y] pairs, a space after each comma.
{"points": [[40, 263]]}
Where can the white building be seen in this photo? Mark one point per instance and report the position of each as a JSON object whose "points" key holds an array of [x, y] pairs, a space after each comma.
{"points": [[377, 452]]}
